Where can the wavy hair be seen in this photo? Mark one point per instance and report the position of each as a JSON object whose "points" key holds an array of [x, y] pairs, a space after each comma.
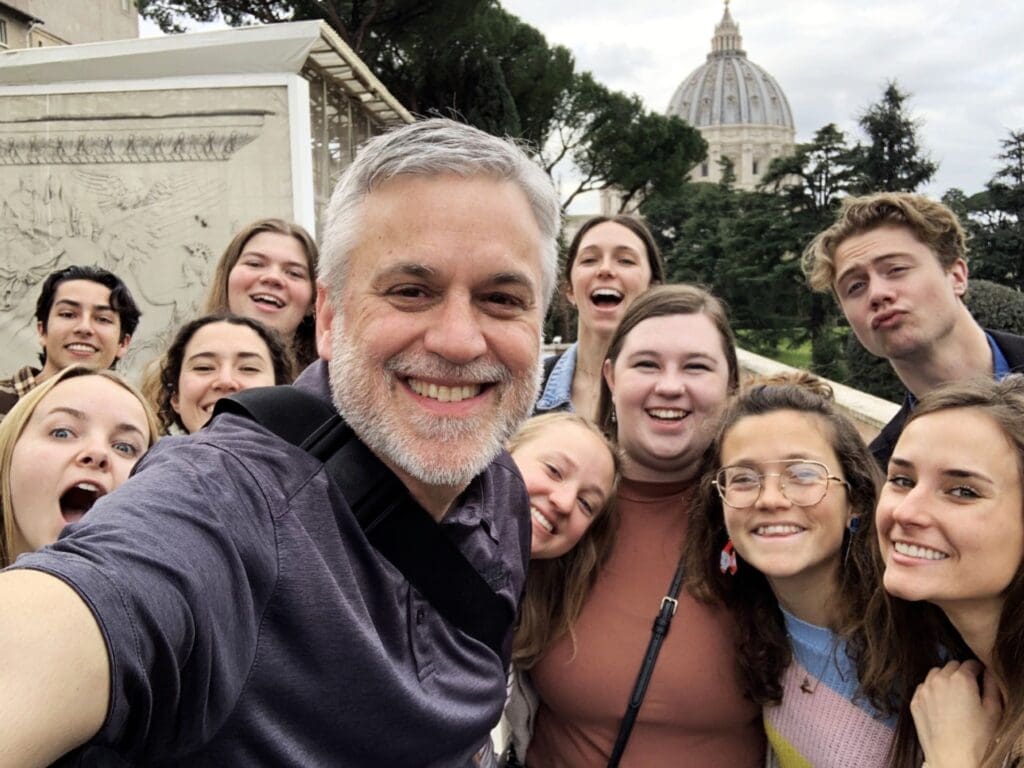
{"points": [[910, 638], [763, 648], [161, 381]]}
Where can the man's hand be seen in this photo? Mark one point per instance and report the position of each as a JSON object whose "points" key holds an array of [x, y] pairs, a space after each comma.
{"points": [[54, 671], [954, 717]]}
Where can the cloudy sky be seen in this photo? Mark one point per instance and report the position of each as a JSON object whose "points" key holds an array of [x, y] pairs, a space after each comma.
{"points": [[963, 62]]}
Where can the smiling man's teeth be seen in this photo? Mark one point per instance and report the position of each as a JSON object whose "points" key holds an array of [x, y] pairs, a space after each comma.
{"points": [[666, 413], [544, 522], [444, 394], [777, 530], [81, 347], [920, 553]]}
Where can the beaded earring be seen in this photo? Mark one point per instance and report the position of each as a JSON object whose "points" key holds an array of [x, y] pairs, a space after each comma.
{"points": [[727, 561]]}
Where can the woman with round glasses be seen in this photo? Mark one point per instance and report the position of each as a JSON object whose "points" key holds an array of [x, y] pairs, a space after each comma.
{"points": [[776, 539]]}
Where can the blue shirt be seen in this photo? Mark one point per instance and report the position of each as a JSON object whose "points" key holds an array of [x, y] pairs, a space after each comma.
{"points": [[1000, 365], [249, 621], [557, 394]]}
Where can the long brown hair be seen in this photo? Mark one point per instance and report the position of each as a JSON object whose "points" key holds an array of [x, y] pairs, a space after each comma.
{"points": [[303, 343], [763, 649], [910, 638], [556, 588]]}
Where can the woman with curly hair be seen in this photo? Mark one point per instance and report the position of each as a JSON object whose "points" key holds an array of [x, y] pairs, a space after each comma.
{"points": [[210, 358], [783, 536]]}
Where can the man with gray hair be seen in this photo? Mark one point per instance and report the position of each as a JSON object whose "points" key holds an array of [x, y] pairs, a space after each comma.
{"points": [[225, 606]]}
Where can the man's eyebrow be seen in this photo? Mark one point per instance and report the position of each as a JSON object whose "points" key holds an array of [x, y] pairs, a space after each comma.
{"points": [[409, 269], [875, 260], [512, 278], [78, 305]]}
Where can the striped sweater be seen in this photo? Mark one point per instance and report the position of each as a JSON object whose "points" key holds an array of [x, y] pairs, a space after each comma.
{"points": [[819, 724]]}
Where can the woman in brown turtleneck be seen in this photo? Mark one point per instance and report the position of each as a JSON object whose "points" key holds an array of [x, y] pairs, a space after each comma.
{"points": [[671, 365]]}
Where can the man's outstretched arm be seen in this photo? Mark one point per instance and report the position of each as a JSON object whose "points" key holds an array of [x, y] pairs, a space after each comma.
{"points": [[54, 671]]}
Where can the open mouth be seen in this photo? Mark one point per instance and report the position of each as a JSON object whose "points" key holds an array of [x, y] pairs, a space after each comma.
{"points": [[78, 347], [541, 520], [444, 393], [918, 552], [268, 300], [606, 298], [667, 414], [778, 529], [78, 499]]}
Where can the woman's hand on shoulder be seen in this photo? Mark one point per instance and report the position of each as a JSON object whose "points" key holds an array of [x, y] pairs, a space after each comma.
{"points": [[955, 717]]}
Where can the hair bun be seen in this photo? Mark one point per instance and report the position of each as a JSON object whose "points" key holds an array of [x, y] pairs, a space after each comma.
{"points": [[801, 379]]}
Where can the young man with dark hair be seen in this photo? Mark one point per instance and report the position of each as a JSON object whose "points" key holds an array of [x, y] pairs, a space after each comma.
{"points": [[897, 264], [85, 316]]}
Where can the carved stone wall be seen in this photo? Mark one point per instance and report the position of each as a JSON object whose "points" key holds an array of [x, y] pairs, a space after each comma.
{"points": [[148, 184]]}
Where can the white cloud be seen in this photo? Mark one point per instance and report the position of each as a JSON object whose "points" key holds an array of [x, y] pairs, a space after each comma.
{"points": [[962, 61]]}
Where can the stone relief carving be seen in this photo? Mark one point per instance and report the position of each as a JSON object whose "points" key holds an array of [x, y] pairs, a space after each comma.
{"points": [[142, 195], [145, 231]]}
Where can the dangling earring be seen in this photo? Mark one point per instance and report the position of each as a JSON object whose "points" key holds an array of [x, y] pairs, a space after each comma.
{"points": [[852, 527], [727, 561], [612, 416]]}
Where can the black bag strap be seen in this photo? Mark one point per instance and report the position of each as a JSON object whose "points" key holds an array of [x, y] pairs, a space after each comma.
{"points": [[662, 622], [397, 526]]}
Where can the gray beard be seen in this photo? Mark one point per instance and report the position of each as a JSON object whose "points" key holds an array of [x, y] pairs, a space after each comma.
{"points": [[434, 450]]}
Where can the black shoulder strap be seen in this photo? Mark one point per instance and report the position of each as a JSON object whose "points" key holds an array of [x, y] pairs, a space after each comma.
{"points": [[398, 527]]}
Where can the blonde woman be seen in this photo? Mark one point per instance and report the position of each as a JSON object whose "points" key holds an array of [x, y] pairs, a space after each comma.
{"points": [[67, 443]]}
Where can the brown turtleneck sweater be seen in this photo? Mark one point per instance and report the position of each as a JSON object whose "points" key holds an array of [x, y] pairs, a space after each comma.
{"points": [[694, 713]]}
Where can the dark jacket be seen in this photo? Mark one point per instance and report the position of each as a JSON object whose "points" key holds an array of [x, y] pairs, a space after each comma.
{"points": [[882, 446]]}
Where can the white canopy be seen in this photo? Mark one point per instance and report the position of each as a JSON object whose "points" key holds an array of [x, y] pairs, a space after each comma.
{"points": [[273, 48]]}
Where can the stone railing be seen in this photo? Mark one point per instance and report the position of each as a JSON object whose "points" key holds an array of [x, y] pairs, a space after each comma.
{"points": [[868, 413]]}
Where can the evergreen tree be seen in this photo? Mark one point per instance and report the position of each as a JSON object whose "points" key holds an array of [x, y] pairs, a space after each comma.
{"points": [[809, 184], [997, 219], [893, 161]]}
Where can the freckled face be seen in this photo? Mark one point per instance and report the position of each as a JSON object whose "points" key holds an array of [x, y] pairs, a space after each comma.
{"points": [[435, 343], [569, 473], [79, 444], [950, 520]]}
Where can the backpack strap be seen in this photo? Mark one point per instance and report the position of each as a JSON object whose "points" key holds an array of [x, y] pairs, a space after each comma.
{"points": [[394, 523]]}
